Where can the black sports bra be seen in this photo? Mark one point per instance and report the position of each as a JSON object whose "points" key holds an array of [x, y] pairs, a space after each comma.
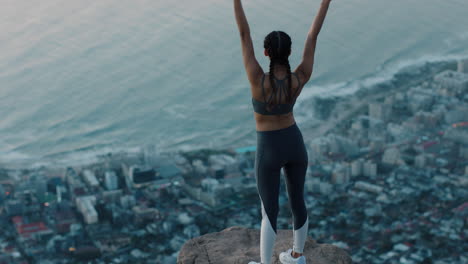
{"points": [[278, 109]]}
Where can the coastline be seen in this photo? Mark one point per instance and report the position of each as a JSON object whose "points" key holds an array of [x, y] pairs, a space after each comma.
{"points": [[328, 111], [347, 106]]}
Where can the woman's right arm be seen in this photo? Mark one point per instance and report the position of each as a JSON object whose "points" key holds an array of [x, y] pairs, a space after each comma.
{"points": [[307, 64]]}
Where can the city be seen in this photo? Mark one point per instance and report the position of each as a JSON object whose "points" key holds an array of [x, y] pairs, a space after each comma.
{"points": [[387, 182]]}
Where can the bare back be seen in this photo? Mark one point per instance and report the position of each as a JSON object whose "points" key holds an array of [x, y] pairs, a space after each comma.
{"points": [[275, 122]]}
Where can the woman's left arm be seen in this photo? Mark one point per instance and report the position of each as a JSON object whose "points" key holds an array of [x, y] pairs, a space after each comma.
{"points": [[252, 67]]}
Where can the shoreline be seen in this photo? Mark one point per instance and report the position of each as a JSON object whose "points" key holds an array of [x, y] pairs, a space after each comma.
{"points": [[328, 109], [357, 102]]}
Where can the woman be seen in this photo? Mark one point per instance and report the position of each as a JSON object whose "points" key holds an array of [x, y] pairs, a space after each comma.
{"points": [[279, 140]]}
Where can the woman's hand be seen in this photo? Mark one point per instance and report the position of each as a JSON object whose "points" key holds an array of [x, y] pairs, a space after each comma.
{"points": [[241, 20]]}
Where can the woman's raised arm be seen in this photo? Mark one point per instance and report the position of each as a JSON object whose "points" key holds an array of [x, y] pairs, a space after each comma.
{"points": [[252, 67], [307, 64]]}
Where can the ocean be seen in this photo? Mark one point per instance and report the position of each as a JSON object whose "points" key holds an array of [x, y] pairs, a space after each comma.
{"points": [[83, 78]]}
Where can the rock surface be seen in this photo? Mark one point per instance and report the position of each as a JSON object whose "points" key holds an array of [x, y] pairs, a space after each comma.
{"points": [[239, 245]]}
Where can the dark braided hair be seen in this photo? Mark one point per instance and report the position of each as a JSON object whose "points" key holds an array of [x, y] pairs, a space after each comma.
{"points": [[278, 45]]}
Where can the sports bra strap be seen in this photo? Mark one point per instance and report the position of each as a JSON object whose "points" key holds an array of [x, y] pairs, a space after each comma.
{"points": [[298, 82], [281, 87], [263, 88]]}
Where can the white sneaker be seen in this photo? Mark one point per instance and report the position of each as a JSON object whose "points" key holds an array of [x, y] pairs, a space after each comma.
{"points": [[287, 258], [253, 262]]}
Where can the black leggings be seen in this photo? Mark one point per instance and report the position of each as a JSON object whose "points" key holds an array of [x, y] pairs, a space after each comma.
{"points": [[276, 149]]}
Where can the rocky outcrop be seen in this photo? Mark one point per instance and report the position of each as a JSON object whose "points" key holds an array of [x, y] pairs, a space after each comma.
{"points": [[239, 245]]}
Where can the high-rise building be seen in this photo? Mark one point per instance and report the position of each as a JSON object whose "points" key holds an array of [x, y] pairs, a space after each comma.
{"points": [[111, 180], [37, 183], [151, 155], [85, 205]]}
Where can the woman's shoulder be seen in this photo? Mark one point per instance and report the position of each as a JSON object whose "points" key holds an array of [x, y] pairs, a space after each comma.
{"points": [[299, 76]]}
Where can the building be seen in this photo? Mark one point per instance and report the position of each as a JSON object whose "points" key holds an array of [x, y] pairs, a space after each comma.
{"points": [[151, 155], [226, 162], [457, 114], [376, 143], [379, 110], [63, 216], [85, 205], [25, 203], [356, 167], [375, 127], [75, 185], [90, 179], [427, 119], [420, 161], [209, 184], [111, 181], [368, 187], [369, 169], [85, 253], [13, 207], [391, 156], [452, 83], [458, 134], [319, 147], [112, 196], [398, 132], [217, 171], [142, 214], [38, 181], [211, 191], [34, 230], [420, 99], [318, 186], [199, 167], [138, 176], [127, 201], [340, 174]]}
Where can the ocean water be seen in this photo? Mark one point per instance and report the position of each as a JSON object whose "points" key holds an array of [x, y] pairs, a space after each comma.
{"points": [[82, 78]]}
